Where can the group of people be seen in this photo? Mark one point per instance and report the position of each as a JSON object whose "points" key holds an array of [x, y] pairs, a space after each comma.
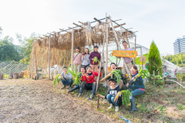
{"points": [[89, 71]]}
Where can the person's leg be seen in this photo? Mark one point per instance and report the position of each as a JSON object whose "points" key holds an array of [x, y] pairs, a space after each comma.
{"points": [[107, 83], [124, 71], [121, 85], [136, 92], [115, 103], [94, 84], [79, 66], [82, 86], [64, 83], [109, 98], [96, 68]]}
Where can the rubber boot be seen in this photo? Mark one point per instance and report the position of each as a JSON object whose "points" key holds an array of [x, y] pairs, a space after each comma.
{"points": [[73, 89], [63, 87], [133, 105]]}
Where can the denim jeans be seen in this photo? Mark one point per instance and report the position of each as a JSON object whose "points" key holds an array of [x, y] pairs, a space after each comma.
{"points": [[88, 87], [67, 81], [136, 92], [110, 99]]}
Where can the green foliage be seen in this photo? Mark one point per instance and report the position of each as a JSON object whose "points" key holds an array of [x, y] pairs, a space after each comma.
{"points": [[76, 76], [8, 51], [117, 73], [138, 62], [155, 63], [180, 107], [125, 97], [56, 80], [96, 60], [26, 46], [143, 73], [178, 59]]}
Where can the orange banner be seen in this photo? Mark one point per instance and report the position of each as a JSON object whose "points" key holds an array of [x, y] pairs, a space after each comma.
{"points": [[122, 53]]}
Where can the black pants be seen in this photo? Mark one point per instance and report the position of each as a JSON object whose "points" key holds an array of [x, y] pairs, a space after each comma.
{"points": [[91, 86]]}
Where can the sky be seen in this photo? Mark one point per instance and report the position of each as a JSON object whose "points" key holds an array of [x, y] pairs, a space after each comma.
{"points": [[159, 20]]}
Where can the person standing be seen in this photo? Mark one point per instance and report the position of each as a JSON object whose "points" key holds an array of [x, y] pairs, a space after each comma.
{"points": [[128, 61], [94, 54], [85, 58], [77, 59]]}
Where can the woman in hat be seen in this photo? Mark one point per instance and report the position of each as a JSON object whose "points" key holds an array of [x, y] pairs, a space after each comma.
{"points": [[112, 92]]}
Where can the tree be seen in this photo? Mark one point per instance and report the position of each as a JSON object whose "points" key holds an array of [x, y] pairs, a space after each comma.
{"points": [[26, 46], [7, 50], [155, 62]]}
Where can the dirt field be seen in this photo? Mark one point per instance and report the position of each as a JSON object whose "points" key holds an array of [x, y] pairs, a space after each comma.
{"points": [[26, 100]]}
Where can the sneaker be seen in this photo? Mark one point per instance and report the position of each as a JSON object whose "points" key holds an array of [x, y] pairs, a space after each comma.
{"points": [[116, 108], [79, 95], [91, 96], [63, 87], [110, 106]]}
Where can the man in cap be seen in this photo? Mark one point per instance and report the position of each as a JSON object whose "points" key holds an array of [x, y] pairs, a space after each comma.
{"points": [[77, 56], [128, 61], [92, 56]]}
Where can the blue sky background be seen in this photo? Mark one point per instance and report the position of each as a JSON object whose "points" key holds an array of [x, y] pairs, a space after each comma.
{"points": [[161, 20]]}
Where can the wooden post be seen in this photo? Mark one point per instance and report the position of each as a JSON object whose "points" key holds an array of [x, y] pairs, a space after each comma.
{"points": [[106, 50], [98, 100], [32, 64], [119, 47], [135, 50], [72, 48], [49, 57], [154, 78]]}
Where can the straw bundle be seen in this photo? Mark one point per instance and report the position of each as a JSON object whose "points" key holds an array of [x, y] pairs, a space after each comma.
{"points": [[43, 41]]}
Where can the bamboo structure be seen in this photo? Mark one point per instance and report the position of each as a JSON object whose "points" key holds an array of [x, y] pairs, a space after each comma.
{"points": [[57, 48]]}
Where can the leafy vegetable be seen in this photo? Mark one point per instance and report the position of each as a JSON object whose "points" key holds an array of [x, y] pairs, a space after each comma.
{"points": [[117, 73], [56, 80], [76, 76], [125, 97], [96, 60]]}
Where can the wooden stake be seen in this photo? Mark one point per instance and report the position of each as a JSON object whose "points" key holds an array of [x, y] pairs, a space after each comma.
{"points": [[98, 100], [154, 78], [32, 64], [106, 50], [119, 47], [72, 48], [135, 50], [49, 57]]}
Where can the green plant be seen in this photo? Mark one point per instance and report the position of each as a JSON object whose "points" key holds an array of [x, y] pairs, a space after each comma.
{"points": [[117, 73], [155, 62], [96, 60], [180, 107], [125, 99], [142, 108], [56, 79], [76, 76]]}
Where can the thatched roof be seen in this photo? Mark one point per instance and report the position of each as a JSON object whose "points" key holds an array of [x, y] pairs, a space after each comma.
{"points": [[84, 35]]}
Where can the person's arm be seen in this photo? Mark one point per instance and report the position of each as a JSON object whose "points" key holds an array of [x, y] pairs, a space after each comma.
{"points": [[96, 74]]}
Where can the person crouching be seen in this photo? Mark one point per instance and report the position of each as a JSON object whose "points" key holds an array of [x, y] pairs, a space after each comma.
{"points": [[66, 78], [89, 82], [112, 92]]}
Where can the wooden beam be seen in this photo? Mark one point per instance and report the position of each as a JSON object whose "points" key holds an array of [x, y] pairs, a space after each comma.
{"points": [[77, 25], [117, 20], [97, 20], [49, 58], [119, 25], [106, 50], [81, 22], [72, 48]]}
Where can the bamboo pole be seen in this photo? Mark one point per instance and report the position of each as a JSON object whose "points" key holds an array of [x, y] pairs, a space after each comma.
{"points": [[135, 49], [49, 57], [119, 47], [32, 65], [106, 50], [72, 48]]}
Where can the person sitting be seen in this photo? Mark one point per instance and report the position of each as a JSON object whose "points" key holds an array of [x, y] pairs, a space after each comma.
{"points": [[111, 94], [136, 87], [66, 78], [89, 82], [113, 67]]}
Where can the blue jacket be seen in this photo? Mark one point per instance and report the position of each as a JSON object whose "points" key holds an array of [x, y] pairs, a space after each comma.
{"points": [[137, 84]]}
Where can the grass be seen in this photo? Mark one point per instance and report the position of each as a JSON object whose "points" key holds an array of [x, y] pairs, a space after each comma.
{"points": [[157, 104]]}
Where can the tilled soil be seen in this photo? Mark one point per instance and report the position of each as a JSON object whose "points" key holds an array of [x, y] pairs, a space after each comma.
{"points": [[26, 100]]}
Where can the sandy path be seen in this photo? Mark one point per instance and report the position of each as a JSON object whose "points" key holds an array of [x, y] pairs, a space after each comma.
{"points": [[26, 100]]}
